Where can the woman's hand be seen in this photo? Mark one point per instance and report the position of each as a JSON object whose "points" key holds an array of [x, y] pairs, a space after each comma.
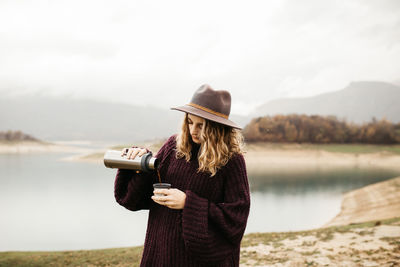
{"points": [[131, 153], [172, 198]]}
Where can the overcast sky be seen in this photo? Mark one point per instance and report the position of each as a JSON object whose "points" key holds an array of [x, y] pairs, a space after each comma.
{"points": [[159, 52]]}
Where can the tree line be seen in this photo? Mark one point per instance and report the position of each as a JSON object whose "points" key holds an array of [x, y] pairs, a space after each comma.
{"points": [[16, 136], [320, 130]]}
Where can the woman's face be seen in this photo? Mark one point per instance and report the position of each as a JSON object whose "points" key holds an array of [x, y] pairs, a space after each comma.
{"points": [[195, 127]]}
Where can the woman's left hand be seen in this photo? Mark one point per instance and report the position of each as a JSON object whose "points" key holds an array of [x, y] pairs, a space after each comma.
{"points": [[172, 198]]}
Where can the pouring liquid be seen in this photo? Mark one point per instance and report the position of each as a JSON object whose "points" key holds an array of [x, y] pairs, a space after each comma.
{"points": [[159, 176]]}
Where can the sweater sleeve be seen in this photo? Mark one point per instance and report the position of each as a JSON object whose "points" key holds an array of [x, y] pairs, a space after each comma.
{"points": [[134, 190], [212, 231]]}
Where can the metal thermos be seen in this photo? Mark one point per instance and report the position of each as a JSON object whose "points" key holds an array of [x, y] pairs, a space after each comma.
{"points": [[114, 159]]}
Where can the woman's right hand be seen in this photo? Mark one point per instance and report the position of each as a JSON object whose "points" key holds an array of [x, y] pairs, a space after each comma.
{"points": [[131, 153]]}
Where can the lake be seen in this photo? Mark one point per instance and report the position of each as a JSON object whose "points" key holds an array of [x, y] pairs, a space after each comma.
{"points": [[49, 204]]}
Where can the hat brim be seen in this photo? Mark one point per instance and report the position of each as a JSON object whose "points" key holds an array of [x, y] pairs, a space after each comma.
{"points": [[207, 115]]}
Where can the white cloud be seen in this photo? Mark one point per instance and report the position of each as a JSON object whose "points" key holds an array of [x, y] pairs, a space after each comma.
{"points": [[159, 52]]}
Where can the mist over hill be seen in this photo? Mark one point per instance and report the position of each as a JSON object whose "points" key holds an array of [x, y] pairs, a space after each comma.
{"points": [[53, 119], [359, 102], [69, 119]]}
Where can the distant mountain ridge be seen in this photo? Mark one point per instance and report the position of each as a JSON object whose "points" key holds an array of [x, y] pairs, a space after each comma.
{"points": [[359, 102], [53, 119]]}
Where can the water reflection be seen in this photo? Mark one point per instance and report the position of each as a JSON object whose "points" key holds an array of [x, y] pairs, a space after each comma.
{"points": [[338, 180]]}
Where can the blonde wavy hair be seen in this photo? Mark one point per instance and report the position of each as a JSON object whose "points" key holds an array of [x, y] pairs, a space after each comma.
{"points": [[218, 144]]}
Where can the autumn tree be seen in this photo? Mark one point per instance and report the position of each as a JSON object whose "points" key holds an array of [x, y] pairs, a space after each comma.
{"points": [[320, 129]]}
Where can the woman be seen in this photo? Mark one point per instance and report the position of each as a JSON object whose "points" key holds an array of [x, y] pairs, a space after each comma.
{"points": [[200, 221]]}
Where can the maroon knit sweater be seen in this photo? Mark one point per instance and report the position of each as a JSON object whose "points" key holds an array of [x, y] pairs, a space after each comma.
{"points": [[208, 230]]}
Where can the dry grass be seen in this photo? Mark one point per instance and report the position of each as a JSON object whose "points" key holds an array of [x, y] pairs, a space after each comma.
{"points": [[372, 244]]}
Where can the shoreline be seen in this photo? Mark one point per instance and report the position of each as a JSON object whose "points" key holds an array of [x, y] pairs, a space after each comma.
{"points": [[28, 147], [259, 157], [306, 159], [379, 201], [366, 232]]}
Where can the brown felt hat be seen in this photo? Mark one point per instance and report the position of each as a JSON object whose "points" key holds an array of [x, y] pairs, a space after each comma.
{"points": [[210, 104]]}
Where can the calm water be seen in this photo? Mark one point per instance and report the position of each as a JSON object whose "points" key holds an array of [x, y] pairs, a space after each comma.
{"points": [[48, 204]]}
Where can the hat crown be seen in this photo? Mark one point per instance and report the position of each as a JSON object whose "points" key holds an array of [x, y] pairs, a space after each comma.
{"points": [[210, 104], [218, 101]]}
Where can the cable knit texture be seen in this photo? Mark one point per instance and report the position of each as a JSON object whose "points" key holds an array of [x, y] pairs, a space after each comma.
{"points": [[208, 230]]}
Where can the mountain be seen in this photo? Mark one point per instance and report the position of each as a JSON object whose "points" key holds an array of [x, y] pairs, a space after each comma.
{"points": [[53, 119], [359, 102]]}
